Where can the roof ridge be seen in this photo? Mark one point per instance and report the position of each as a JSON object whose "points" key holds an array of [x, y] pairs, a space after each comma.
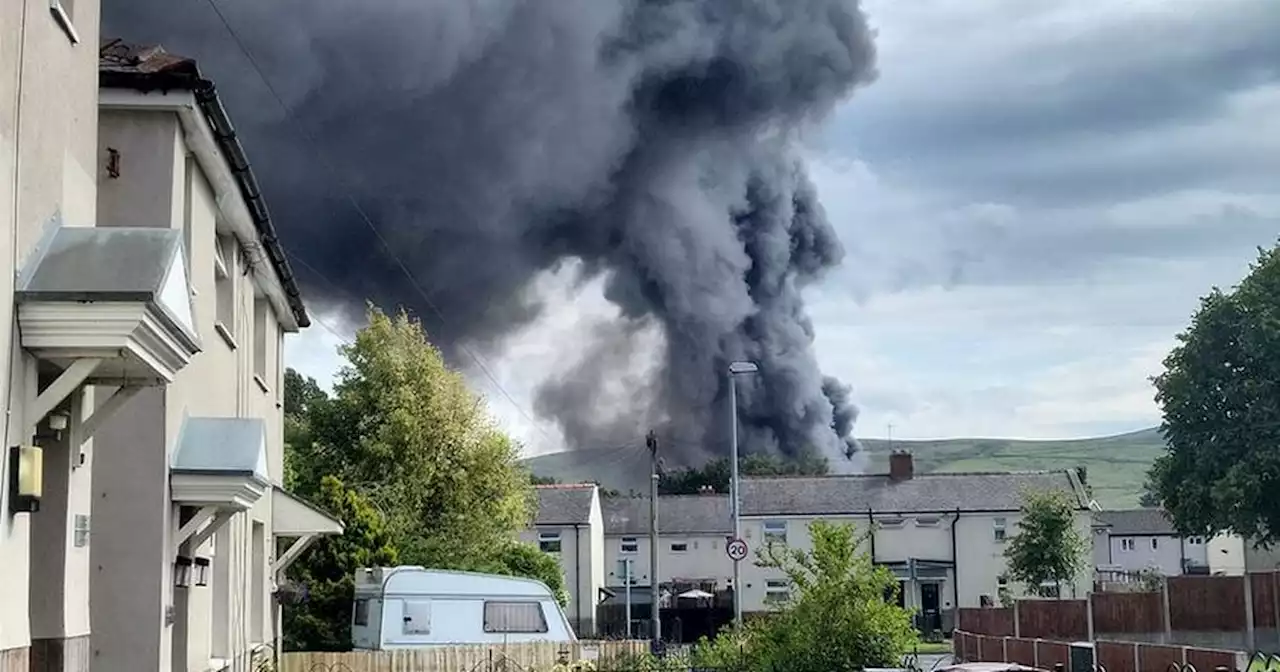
{"points": [[564, 486]]}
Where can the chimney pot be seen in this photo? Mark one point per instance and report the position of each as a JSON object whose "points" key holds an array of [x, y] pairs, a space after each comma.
{"points": [[901, 466]]}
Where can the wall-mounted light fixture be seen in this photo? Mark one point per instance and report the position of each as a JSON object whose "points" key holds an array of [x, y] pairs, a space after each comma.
{"points": [[202, 571], [26, 478], [182, 572]]}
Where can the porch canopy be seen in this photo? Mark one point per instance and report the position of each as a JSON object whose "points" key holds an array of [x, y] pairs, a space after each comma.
{"points": [[294, 518], [219, 467], [105, 306]]}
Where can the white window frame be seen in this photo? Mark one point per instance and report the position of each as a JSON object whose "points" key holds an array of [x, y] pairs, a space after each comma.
{"points": [[776, 591], [679, 547], [225, 252], [629, 545], [1000, 529], [261, 360], [64, 17], [928, 521], [892, 523], [545, 538], [1127, 544], [1155, 543], [775, 531], [542, 617]]}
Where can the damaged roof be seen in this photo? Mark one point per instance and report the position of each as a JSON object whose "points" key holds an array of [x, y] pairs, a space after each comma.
{"points": [[122, 65]]}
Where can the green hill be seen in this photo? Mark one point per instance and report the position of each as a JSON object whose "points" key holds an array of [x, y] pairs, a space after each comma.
{"points": [[1116, 465]]}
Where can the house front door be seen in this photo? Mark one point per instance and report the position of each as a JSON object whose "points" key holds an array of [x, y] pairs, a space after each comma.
{"points": [[930, 612]]}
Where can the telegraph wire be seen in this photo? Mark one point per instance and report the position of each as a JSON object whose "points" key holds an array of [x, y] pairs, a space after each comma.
{"points": [[355, 205]]}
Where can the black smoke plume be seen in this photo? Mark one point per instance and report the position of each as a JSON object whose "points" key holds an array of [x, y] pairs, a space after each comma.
{"points": [[493, 139]]}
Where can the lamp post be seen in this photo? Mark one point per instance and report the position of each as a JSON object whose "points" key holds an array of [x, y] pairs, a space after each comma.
{"points": [[740, 368]]}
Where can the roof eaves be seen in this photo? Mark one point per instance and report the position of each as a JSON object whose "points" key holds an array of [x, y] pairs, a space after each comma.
{"points": [[152, 69]]}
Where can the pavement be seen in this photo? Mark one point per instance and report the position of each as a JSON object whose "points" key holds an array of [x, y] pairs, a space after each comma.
{"points": [[932, 661]]}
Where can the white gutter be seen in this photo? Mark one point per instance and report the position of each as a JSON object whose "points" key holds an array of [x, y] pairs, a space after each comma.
{"points": [[230, 203]]}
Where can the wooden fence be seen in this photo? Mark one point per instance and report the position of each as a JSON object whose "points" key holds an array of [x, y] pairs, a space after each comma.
{"points": [[1183, 604], [468, 658], [1111, 656]]}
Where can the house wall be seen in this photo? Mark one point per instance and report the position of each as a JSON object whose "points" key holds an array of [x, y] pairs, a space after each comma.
{"points": [[48, 124], [1134, 553], [704, 559], [575, 557], [979, 555], [232, 616], [594, 557]]}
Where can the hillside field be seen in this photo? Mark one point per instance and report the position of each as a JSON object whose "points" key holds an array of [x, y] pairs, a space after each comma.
{"points": [[1116, 465]]}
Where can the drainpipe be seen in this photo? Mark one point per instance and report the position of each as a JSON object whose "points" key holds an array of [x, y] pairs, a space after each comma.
{"points": [[577, 571], [871, 525], [955, 567]]}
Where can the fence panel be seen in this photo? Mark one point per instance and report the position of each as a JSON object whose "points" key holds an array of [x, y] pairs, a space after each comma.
{"points": [[480, 658], [1265, 595], [1021, 651], [1206, 603], [1208, 660], [1128, 612], [1049, 654], [1116, 656], [1053, 619], [987, 621], [1156, 658]]}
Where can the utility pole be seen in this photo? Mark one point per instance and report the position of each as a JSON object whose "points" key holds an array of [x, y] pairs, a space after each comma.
{"points": [[626, 577], [654, 582]]}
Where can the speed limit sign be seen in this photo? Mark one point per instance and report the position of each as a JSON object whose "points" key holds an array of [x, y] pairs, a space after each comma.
{"points": [[737, 549]]}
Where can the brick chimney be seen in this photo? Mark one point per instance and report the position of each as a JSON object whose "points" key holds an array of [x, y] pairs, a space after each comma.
{"points": [[901, 468]]}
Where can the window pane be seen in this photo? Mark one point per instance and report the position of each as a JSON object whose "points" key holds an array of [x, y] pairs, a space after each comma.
{"points": [[514, 617], [362, 612]]}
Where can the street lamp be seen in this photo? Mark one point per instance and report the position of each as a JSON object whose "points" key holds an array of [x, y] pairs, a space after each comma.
{"points": [[740, 368]]}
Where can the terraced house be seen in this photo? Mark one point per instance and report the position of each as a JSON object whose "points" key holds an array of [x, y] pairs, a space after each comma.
{"points": [[143, 507], [943, 535]]}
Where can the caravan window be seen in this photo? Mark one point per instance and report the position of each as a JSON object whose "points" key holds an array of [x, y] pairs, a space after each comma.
{"points": [[417, 617], [514, 617], [362, 612]]}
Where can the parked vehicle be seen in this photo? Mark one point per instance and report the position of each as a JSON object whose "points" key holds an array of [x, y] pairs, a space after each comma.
{"points": [[412, 607]]}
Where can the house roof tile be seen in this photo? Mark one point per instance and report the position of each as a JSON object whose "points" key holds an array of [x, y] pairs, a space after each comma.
{"points": [[1137, 522], [677, 514], [938, 492], [564, 504]]}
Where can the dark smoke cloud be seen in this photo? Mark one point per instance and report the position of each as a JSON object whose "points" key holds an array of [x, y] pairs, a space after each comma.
{"points": [[493, 139]]}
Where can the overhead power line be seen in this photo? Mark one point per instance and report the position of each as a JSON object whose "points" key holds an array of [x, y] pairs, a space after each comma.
{"points": [[368, 221]]}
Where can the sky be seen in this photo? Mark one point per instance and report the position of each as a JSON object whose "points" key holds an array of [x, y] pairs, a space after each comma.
{"points": [[1033, 196]]}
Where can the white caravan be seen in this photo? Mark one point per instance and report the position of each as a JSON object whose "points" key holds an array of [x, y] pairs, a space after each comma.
{"points": [[413, 607]]}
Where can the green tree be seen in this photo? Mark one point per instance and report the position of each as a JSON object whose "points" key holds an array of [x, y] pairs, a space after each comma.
{"points": [[408, 453], [521, 559], [323, 622], [424, 448], [1148, 499], [1220, 398], [716, 473], [1048, 547], [837, 616]]}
